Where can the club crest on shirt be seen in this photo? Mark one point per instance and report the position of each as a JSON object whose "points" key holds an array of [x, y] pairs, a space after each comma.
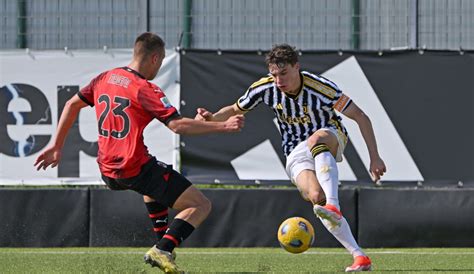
{"points": [[165, 102]]}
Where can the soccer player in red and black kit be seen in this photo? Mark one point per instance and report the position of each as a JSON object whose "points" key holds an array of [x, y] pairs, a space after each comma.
{"points": [[125, 103]]}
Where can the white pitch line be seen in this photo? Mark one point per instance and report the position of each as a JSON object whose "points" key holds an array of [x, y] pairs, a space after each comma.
{"points": [[72, 252], [237, 253]]}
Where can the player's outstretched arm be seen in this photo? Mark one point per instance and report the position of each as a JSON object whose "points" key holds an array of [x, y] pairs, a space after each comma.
{"points": [[221, 115], [377, 166], [52, 154], [189, 126]]}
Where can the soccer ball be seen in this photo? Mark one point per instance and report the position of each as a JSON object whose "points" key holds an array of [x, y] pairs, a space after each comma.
{"points": [[296, 235]]}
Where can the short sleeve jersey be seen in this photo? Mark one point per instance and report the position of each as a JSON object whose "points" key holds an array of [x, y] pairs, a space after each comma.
{"points": [[125, 103], [299, 116]]}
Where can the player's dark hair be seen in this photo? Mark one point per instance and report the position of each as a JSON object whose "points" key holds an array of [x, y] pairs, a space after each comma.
{"points": [[281, 55], [148, 43]]}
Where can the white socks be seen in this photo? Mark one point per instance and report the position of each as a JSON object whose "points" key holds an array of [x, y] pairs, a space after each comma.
{"points": [[327, 174], [344, 235]]}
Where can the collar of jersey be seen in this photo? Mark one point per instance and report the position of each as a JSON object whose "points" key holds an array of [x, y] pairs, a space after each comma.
{"points": [[134, 72]]}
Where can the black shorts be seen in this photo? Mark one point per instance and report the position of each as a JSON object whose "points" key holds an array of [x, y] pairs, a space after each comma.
{"points": [[156, 179]]}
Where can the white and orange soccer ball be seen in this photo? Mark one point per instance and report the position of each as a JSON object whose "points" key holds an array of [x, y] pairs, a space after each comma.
{"points": [[296, 235]]}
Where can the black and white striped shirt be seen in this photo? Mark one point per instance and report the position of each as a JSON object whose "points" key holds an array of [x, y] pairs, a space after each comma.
{"points": [[301, 115]]}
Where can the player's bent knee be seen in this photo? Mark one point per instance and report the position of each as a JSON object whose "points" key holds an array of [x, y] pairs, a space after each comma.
{"points": [[312, 141], [205, 206], [202, 204]]}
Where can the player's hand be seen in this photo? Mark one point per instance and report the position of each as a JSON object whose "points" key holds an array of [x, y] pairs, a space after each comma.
{"points": [[377, 168], [49, 157], [235, 123], [203, 115]]}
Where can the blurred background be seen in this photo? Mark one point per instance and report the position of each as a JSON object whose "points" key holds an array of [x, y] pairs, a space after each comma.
{"points": [[239, 24]]}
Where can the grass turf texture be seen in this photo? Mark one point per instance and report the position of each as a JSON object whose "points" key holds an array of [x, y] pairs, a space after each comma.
{"points": [[130, 260]]}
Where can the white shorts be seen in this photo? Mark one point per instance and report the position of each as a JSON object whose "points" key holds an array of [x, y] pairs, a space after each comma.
{"points": [[300, 158]]}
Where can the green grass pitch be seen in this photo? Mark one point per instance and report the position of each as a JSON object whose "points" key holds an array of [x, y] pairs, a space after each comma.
{"points": [[130, 260]]}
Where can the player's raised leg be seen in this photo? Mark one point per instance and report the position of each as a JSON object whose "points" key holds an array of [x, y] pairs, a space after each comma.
{"points": [[323, 146], [309, 187]]}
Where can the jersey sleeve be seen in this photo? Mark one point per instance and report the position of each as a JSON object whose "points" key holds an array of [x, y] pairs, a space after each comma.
{"points": [[339, 100], [252, 98], [87, 93], [157, 104], [342, 102]]}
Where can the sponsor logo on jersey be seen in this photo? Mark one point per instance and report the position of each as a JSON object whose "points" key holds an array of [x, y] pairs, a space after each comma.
{"points": [[165, 102], [295, 120]]}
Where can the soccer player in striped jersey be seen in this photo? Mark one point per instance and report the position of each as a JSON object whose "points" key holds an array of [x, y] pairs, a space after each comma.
{"points": [[313, 137], [125, 103]]}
